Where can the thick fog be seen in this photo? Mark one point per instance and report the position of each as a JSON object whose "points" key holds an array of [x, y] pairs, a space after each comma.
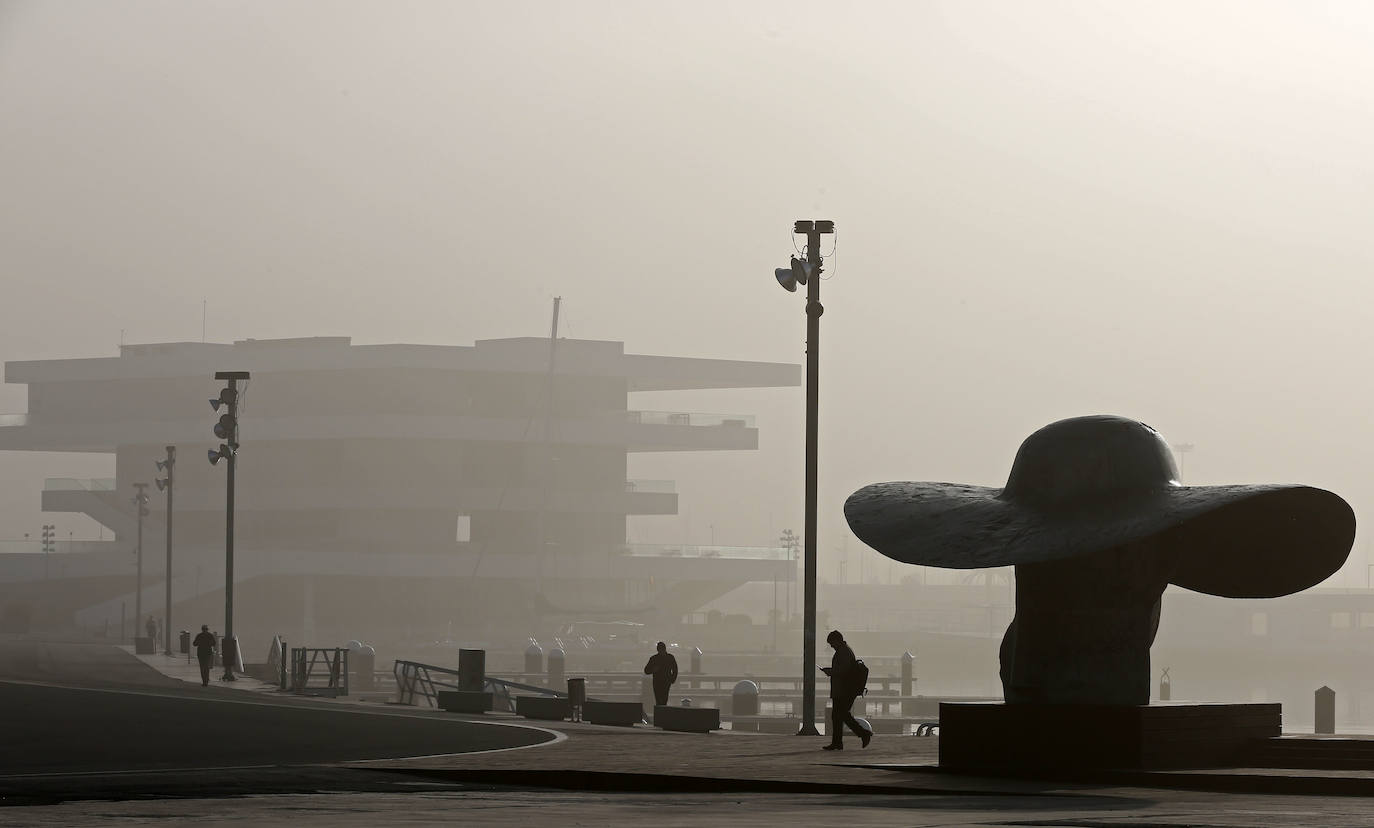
{"points": [[1159, 210]]}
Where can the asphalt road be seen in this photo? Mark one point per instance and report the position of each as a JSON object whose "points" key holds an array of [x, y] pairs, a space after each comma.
{"points": [[74, 712]]}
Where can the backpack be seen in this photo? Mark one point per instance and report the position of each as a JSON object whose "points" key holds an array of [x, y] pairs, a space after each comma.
{"points": [[859, 679]]}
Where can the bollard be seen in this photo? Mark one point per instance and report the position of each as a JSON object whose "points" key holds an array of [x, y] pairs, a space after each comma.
{"points": [[1166, 689], [472, 670], [534, 659], [362, 661], [1325, 711], [696, 660], [647, 700], [283, 666], [556, 662], [744, 699], [908, 683]]}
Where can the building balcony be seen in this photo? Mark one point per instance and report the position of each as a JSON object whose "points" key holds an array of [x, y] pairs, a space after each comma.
{"points": [[629, 430]]}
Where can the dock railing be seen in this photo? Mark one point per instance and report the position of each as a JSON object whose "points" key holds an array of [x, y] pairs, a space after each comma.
{"points": [[417, 681]]}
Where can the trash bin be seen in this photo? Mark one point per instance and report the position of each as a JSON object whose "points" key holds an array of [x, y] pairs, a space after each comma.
{"points": [[472, 670], [185, 641], [228, 648]]}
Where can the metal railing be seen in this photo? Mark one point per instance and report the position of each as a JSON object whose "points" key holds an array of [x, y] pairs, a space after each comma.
{"points": [[333, 670], [652, 486], [74, 484], [415, 680], [690, 418], [662, 550]]}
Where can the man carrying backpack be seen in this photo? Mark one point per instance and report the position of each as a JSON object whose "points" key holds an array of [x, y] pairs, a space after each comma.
{"points": [[848, 676]]}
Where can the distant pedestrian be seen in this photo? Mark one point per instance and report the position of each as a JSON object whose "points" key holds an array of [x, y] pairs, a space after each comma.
{"points": [[663, 667], [846, 684], [205, 652], [151, 627]]}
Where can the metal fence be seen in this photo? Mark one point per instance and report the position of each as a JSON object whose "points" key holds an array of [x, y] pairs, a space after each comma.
{"points": [[415, 681], [319, 671]]}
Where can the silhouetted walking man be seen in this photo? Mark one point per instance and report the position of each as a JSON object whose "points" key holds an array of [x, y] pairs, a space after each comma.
{"points": [[205, 652], [844, 689], [663, 667]]}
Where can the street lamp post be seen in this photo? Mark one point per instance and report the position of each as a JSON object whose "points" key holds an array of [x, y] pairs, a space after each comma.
{"points": [[808, 272], [165, 484], [141, 509], [227, 429]]}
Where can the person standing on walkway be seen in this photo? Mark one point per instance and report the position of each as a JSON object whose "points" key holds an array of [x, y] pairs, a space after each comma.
{"points": [[663, 667], [844, 689], [205, 652], [151, 627]]}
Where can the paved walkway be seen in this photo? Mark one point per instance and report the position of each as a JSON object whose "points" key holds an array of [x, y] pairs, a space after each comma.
{"points": [[643, 758]]}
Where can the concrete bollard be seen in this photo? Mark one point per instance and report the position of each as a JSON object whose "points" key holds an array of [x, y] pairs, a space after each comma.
{"points": [[744, 699], [556, 661], [696, 660], [534, 659], [646, 696], [361, 663], [908, 682], [1325, 711]]}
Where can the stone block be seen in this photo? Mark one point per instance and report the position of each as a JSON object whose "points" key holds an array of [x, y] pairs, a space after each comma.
{"points": [[1033, 737], [624, 714], [686, 719], [543, 707], [464, 701]]}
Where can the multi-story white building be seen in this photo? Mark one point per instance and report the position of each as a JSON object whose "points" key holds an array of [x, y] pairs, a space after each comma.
{"points": [[396, 485]]}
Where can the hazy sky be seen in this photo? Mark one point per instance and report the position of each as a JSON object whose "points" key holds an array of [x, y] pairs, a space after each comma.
{"points": [[1160, 210]]}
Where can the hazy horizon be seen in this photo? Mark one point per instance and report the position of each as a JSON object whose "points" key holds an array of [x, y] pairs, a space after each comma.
{"points": [[1043, 210]]}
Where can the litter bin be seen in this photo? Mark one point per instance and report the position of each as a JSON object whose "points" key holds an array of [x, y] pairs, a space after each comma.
{"points": [[229, 657], [472, 670], [185, 641]]}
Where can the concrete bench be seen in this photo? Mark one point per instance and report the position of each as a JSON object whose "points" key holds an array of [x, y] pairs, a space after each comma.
{"points": [[464, 701], [543, 707], [624, 714], [145, 646], [686, 719]]}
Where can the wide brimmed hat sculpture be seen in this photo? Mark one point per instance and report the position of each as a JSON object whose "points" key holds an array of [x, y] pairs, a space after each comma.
{"points": [[1097, 524]]}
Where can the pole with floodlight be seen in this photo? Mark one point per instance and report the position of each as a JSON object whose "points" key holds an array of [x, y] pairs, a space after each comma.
{"points": [[165, 484], [227, 429], [807, 272]]}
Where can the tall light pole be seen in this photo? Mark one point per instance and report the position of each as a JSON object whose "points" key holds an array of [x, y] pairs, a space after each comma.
{"points": [[165, 484], [227, 429], [808, 272], [141, 508]]}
